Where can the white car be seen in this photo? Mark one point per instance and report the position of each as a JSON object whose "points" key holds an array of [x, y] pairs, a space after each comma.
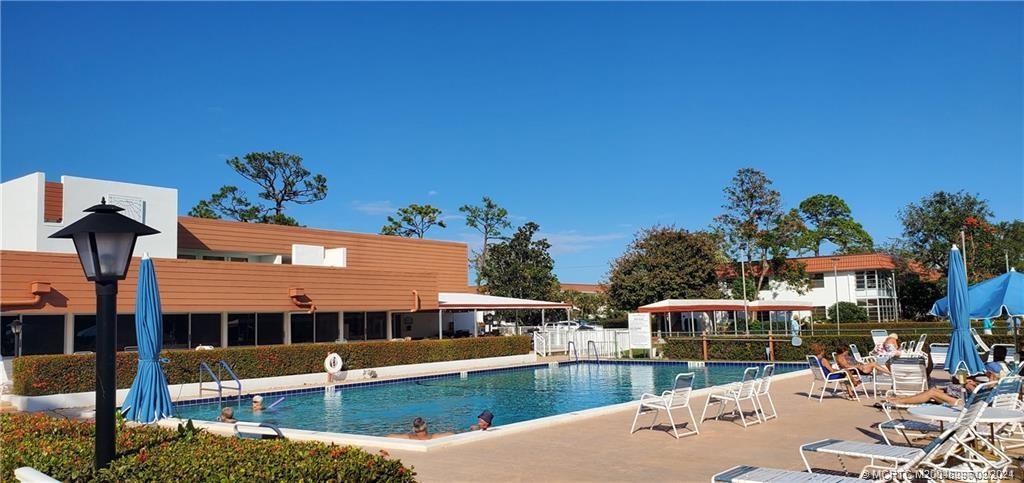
{"points": [[572, 324]]}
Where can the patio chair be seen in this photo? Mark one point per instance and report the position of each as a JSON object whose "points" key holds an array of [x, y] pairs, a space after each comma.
{"points": [[736, 394], [979, 342], [819, 375], [677, 398], [959, 444], [905, 427], [916, 349], [938, 354], [878, 336], [859, 358], [863, 384], [764, 385], [909, 376]]}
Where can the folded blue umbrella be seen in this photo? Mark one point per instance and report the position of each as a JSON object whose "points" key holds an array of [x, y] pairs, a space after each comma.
{"points": [[961, 344], [148, 400]]}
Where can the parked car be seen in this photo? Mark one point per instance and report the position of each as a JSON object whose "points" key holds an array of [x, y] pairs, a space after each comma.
{"points": [[571, 324]]}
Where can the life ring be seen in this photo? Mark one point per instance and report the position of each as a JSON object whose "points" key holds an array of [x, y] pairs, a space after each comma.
{"points": [[333, 363]]}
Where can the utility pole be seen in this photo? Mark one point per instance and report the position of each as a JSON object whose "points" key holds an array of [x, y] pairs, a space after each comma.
{"points": [[746, 314], [835, 282]]}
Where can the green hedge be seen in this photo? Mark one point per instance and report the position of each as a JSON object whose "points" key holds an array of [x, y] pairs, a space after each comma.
{"points": [[56, 374], [63, 449], [753, 349]]}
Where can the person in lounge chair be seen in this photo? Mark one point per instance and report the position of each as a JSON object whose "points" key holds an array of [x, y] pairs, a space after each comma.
{"points": [[483, 421], [846, 361], [227, 415], [997, 369], [890, 347], [819, 351], [952, 394], [419, 431]]}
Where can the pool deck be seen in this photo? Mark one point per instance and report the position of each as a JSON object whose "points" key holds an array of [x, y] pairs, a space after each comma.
{"points": [[601, 449]]}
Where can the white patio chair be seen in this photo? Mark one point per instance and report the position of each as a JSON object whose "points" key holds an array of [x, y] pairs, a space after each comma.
{"points": [[909, 376], [835, 378], [864, 379], [858, 357], [912, 429], [736, 394], [764, 385], [878, 336], [979, 342], [677, 398], [938, 355]]}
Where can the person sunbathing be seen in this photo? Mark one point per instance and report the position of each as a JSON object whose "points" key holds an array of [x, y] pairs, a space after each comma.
{"points": [[953, 394], [846, 361], [819, 352]]}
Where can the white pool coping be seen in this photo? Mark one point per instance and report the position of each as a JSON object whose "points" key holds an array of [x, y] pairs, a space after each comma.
{"points": [[382, 442]]}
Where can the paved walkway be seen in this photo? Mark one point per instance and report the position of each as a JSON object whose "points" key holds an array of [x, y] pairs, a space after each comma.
{"points": [[600, 448]]}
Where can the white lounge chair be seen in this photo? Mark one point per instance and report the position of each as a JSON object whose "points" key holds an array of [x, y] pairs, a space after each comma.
{"points": [[764, 386], [909, 376], [858, 357], [938, 355], [736, 394], [979, 343], [677, 398], [878, 336], [835, 378]]}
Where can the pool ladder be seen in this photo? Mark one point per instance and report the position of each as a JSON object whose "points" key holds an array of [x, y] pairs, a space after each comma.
{"points": [[219, 382], [597, 355], [574, 354]]}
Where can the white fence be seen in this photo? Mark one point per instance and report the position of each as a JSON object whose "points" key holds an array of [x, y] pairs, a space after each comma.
{"points": [[580, 343]]}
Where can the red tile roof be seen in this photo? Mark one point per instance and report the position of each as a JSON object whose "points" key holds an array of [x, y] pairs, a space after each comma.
{"points": [[824, 264]]}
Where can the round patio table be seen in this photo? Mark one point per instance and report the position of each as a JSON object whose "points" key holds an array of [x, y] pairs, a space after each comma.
{"points": [[946, 414]]}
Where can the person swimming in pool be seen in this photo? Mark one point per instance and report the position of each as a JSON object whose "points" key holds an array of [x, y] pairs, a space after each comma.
{"points": [[419, 431], [483, 421], [257, 403]]}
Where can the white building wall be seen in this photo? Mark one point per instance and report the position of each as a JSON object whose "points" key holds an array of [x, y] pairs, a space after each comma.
{"points": [[819, 297], [24, 228]]}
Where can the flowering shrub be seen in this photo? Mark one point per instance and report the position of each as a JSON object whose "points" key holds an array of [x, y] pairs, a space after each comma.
{"points": [[63, 449], [56, 374]]}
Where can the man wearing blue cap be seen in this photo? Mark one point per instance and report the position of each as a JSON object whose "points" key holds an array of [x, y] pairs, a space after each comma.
{"points": [[483, 421]]}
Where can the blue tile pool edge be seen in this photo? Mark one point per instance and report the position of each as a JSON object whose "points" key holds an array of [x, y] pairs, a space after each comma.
{"points": [[454, 374]]}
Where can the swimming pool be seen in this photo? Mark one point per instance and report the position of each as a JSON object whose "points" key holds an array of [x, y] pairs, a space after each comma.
{"points": [[450, 402]]}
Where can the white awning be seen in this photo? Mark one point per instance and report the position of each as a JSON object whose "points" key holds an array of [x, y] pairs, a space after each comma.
{"points": [[463, 301], [707, 305]]}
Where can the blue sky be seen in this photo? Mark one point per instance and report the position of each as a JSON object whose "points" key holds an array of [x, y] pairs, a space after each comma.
{"points": [[593, 120]]}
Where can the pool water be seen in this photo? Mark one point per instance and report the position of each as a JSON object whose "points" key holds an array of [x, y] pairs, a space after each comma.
{"points": [[451, 403]]}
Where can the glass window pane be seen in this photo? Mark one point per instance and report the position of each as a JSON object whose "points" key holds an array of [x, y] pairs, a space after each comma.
{"points": [[270, 330], [126, 332], [114, 250], [42, 334], [326, 327], [85, 333], [376, 325], [204, 330], [175, 331], [355, 326], [302, 328], [7, 337], [241, 329]]}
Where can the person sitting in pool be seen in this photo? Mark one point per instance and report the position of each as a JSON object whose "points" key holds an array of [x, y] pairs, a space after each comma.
{"points": [[419, 431], [846, 361], [483, 421], [257, 403], [227, 415]]}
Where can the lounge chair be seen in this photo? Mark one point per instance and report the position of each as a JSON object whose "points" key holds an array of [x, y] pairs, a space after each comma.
{"points": [[764, 385], [979, 343], [736, 394], [904, 427], [938, 354], [863, 384], [878, 336], [859, 358], [909, 376], [677, 398], [835, 378]]}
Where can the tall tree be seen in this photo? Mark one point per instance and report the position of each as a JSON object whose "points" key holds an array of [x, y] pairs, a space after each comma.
{"points": [[829, 219], [521, 267], [490, 220], [663, 263], [933, 224], [413, 221], [281, 178], [755, 228], [589, 305]]}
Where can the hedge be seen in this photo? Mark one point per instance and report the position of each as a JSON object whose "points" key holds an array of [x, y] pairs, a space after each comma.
{"points": [[63, 449], [57, 374], [753, 349]]}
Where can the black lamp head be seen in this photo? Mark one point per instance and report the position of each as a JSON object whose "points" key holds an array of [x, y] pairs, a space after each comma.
{"points": [[105, 240]]}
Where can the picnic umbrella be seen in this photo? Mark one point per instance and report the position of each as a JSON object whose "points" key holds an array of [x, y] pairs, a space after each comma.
{"points": [[961, 344], [991, 298], [148, 400]]}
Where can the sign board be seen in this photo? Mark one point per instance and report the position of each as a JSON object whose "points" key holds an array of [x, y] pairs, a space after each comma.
{"points": [[640, 331]]}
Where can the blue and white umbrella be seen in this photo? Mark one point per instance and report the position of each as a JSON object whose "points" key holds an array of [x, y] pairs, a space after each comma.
{"points": [[961, 344], [148, 400]]}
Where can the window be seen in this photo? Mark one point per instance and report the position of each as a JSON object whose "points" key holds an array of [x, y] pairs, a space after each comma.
{"points": [[176, 331], [269, 329], [238, 259], [818, 280], [355, 325], [213, 257], [376, 325], [42, 334], [867, 280], [316, 327], [819, 313], [326, 327], [241, 329], [126, 333], [185, 256], [204, 329], [302, 328], [85, 333], [8, 340]]}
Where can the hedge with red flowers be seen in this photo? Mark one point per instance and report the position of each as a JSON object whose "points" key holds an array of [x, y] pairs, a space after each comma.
{"points": [[57, 374], [63, 449]]}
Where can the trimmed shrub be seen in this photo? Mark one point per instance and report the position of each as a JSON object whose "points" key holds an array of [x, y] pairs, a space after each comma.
{"points": [[848, 312], [63, 449], [753, 348], [56, 374]]}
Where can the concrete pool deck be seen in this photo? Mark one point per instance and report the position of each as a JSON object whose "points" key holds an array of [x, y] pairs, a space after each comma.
{"points": [[600, 448]]}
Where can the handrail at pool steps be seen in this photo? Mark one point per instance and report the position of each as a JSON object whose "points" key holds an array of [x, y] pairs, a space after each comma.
{"points": [[570, 356], [238, 383], [204, 367], [538, 342]]}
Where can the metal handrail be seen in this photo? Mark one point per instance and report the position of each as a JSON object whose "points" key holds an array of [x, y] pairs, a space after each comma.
{"points": [[204, 367], [538, 337], [238, 383], [597, 355], [576, 353]]}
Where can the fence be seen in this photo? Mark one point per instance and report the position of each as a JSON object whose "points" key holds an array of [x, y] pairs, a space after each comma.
{"points": [[583, 343]]}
